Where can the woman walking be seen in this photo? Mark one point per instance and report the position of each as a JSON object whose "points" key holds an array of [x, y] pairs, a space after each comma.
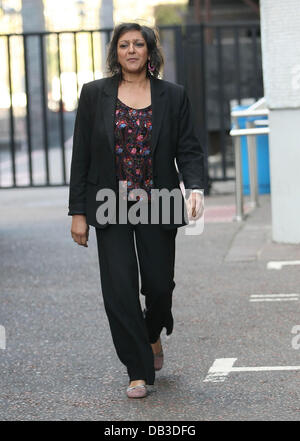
{"points": [[129, 128]]}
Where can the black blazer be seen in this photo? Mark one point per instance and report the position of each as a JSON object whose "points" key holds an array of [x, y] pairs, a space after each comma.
{"points": [[93, 161]]}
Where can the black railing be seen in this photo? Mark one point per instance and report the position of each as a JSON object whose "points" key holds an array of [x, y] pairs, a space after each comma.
{"points": [[216, 63], [219, 64]]}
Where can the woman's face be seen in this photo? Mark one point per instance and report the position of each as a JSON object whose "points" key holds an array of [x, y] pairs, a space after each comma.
{"points": [[132, 52]]}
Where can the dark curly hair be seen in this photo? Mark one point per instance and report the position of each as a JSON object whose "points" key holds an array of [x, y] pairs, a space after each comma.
{"points": [[152, 40]]}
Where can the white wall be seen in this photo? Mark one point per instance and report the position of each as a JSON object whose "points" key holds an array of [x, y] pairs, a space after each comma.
{"points": [[285, 174], [280, 27]]}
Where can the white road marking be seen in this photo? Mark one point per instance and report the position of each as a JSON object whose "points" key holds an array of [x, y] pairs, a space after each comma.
{"points": [[224, 366], [279, 264], [2, 337], [273, 297], [273, 300], [220, 369]]}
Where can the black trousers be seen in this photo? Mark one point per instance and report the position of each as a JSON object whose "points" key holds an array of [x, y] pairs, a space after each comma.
{"points": [[133, 329]]}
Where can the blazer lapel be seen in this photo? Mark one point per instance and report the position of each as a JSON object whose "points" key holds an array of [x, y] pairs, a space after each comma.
{"points": [[109, 101], [158, 101], [108, 104]]}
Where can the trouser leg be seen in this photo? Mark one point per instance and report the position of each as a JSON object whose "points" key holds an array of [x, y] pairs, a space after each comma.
{"points": [[120, 289], [156, 253]]}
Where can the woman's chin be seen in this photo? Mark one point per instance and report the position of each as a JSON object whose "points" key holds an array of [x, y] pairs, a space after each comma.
{"points": [[133, 69]]}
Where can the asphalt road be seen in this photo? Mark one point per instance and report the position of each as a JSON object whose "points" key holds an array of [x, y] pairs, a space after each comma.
{"points": [[59, 362]]}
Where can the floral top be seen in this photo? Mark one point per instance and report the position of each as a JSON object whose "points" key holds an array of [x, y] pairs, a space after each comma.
{"points": [[133, 156]]}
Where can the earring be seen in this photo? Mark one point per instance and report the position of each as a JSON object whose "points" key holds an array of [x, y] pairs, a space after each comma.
{"points": [[151, 68]]}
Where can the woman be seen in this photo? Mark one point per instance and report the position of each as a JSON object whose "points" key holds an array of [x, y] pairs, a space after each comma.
{"points": [[129, 128]]}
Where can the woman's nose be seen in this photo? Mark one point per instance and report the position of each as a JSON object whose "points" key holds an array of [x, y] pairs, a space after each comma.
{"points": [[131, 47]]}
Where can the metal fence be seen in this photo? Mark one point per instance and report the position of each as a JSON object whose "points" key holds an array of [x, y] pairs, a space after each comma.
{"points": [[220, 65], [217, 63]]}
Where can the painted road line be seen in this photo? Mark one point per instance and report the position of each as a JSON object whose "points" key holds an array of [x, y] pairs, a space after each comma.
{"points": [[2, 337], [273, 297], [279, 264], [273, 300], [219, 370], [222, 367]]}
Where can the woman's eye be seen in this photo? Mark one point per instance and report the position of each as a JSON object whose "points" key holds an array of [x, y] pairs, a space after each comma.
{"points": [[137, 44]]}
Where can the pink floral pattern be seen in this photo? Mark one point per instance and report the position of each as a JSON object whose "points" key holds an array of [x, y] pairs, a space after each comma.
{"points": [[133, 156]]}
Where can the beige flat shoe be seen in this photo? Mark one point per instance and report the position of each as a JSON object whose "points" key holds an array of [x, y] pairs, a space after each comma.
{"points": [[158, 359], [139, 391]]}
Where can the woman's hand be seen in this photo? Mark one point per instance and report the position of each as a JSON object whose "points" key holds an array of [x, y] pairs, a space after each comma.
{"points": [[195, 206], [80, 229]]}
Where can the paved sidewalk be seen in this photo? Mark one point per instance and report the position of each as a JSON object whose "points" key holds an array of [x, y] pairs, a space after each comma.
{"points": [[59, 362]]}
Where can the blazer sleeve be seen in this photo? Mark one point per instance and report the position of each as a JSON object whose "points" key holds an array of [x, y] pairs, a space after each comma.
{"points": [[189, 153], [80, 156]]}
